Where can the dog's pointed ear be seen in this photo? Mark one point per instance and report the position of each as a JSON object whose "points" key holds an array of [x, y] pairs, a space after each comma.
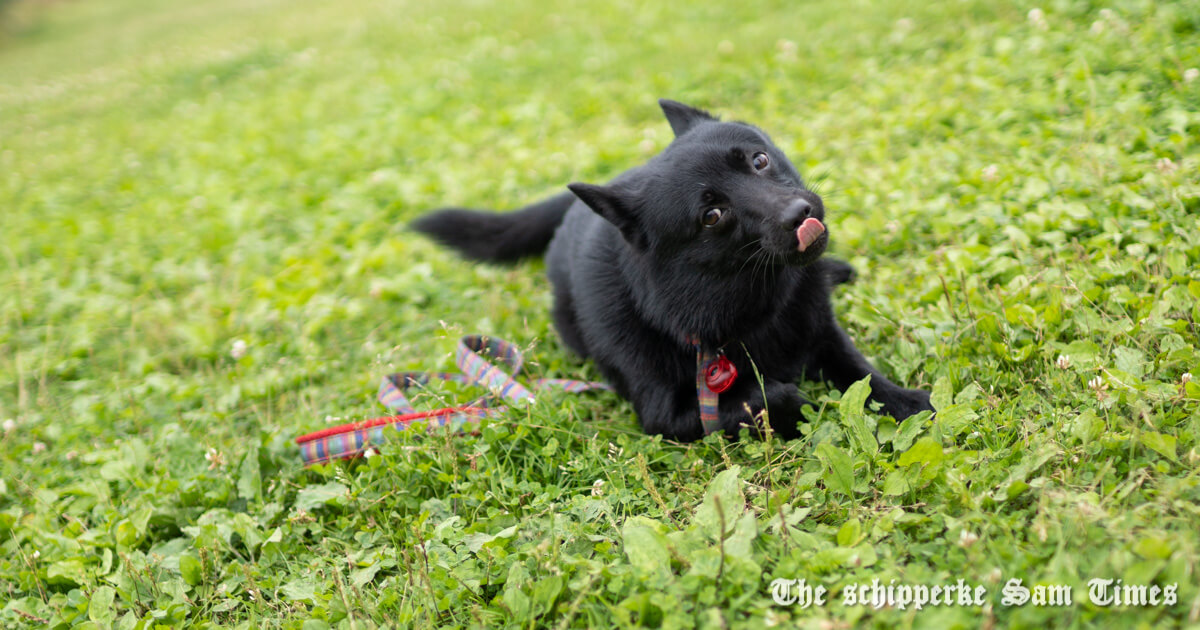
{"points": [[682, 117], [614, 204]]}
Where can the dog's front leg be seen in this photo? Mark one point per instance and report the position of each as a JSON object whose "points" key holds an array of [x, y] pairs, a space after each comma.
{"points": [[669, 410], [773, 401], [842, 364], [674, 411]]}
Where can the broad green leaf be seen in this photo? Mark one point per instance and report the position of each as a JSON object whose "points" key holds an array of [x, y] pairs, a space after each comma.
{"points": [[546, 592], [1153, 548], [850, 409], [515, 599], [942, 395], [1022, 314], [723, 502], [301, 589], [313, 497], [478, 540], [249, 483], [739, 543], [897, 482], [1160, 443], [908, 431], [839, 470], [100, 606], [190, 569], [956, 419], [126, 534], [243, 525], [863, 555], [850, 533], [925, 452], [1015, 489], [362, 577], [1082, 354], [1087, 426], [1130, 360], [646, 547]]}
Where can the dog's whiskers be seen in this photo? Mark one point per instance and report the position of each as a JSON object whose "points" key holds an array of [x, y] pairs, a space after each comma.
{"points": [[750, 244], [756, 241], [764, 263]]}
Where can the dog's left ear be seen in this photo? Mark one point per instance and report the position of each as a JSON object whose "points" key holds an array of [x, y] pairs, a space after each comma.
{"points": [[682, 117], [615, 204]]}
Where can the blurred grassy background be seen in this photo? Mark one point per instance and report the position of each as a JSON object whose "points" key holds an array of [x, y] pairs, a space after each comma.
{"points": [[1015, 183]]}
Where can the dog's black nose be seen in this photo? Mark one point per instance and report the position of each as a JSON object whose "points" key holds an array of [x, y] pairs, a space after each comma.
{"points": [[796, 213]]}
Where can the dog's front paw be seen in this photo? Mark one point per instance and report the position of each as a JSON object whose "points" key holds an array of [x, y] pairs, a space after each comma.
{"points": [[839, 271], [907, 402], [781, 409]]}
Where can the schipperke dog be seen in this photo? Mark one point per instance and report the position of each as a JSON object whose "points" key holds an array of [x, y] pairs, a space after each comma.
{"points": [[712, 247]]}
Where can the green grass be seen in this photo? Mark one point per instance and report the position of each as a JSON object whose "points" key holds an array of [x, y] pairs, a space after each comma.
{"points": [[1020, 198]]}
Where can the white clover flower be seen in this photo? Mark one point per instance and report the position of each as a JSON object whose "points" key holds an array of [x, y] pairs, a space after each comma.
{"points": [[1185, 378], [1063, 362], [967, 538], [598, 488], [1037, 18], [10, 425], [238, 350], [990, 173], [38, 447], [214, 458]]}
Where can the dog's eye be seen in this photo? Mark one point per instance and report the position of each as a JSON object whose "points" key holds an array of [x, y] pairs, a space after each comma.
{"points": [[760, 161], [712, 217]]}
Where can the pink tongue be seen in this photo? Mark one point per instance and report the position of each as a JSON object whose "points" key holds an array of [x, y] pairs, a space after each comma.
{"points": [[809, 232]]}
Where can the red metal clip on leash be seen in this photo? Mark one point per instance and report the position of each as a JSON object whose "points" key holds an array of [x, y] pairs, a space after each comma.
{"points": [[352, 440]]}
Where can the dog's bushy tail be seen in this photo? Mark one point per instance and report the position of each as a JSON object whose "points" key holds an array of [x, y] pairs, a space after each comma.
{"points": [[497, 237]]}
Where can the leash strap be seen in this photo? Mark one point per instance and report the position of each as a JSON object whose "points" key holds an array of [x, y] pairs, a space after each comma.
{"points": [[472, 358], [707, 397]]}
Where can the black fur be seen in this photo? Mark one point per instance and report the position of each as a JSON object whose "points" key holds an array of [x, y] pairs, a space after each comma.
{"points": [[497, 237], [636, 273]]}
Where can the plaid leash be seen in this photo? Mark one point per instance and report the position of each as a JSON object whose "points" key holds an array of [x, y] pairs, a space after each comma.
{"points": [[714, 374], [708, 398], [471, 356]]}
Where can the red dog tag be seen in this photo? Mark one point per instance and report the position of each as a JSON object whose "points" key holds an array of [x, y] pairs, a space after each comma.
{"points": [[720, 375]]}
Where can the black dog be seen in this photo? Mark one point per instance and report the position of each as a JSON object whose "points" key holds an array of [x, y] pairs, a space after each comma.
{"points": [[712, 247]]}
